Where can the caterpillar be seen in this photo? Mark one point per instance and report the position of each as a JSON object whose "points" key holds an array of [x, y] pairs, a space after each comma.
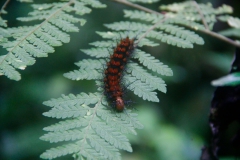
{"points": [[113, 88]]}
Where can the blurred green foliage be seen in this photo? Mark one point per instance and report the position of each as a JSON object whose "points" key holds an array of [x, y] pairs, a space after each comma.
{"points": [[175, 129]]}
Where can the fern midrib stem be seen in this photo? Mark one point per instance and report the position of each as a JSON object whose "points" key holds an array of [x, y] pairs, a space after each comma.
{"points": [[201, 15], [208, 32], [151, 28], [32, 32], [89, 124], [4, 6], [136, 6]]}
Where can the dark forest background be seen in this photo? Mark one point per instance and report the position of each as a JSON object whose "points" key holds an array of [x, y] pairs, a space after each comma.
{"points": [[175, 129]]}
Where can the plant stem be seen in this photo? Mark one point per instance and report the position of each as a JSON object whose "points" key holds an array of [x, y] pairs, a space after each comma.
{"points": [[151, 28], [136, 6], [4, 6], [201, 14], [221, 37], [206, 31]]}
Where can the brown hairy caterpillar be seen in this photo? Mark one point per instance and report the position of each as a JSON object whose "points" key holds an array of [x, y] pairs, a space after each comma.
{"points": [[113, 88]]}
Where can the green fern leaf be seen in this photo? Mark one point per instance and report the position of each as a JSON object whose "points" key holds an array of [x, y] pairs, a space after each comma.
{"points": [[72, 100], [60, 151], [131, 118], [66, 112], [102, 146], [67, 124], [3, 22], [91, 64], [69, 135], [141, 89], [90, 153], [181, 21], [182, 38], [102, 43], [235, 32], [116, 122], [112, 136], [234, 22], [169, 39], [94, 3], [97, 52], [27, 1], [182, 33], [8, 70], [126, 25], [140, 15], [224, 9], [95, 138], [152, 81], [56, 32], [153, 64], [83, 74]]}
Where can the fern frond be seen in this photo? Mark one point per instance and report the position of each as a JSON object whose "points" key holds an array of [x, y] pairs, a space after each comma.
{"points": [[89, 134], [37, 41], [95, 131]]}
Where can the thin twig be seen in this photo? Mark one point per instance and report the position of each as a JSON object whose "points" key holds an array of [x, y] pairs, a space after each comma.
{"points": [[206, 31], [136, 6], [221, 37], [4, 6], [201, 14], [151, 28]]}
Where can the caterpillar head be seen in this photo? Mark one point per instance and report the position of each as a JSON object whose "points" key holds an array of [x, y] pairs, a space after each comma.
{"points": [[119, 104]]}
